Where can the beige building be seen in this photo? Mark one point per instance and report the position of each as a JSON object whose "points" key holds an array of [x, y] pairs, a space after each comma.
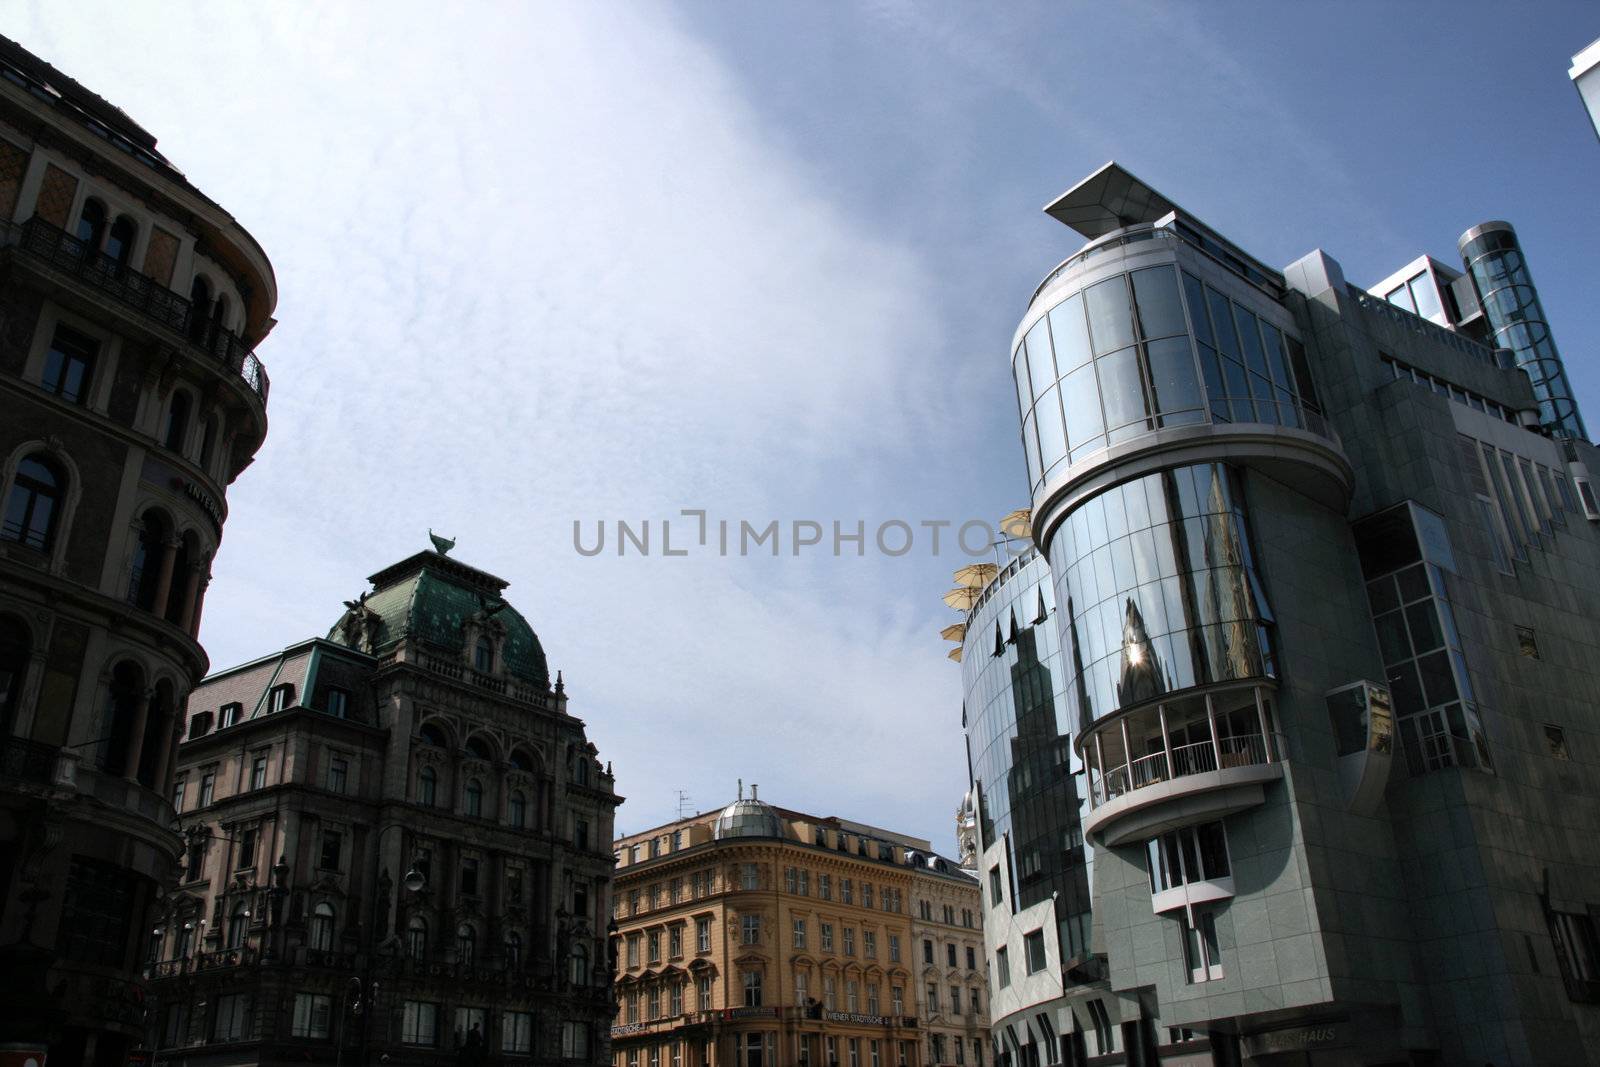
{"points": [[130, 399], [397, 846], [763, 937]]}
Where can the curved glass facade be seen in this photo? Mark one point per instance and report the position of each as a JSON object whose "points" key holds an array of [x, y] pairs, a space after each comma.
{"points": [[1019, 744], [1512, 306], [1160, 585], [1147, 349]]}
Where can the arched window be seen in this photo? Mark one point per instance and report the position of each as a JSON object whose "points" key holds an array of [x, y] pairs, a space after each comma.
{"points": [[466, 944], [513, 951], [199, 307], [122, 709], [477, 748], [427, 787], [236, 925], [208, 443], [119, 245], [582, 770], [417, 938], [517, 809], [146, 570], [219, 315], [15, 644], [483, 656], [580, 965], [33, 507], [474, 797], [322, 927], [176, 430], [432, 735], [92, 225], [520, 761]]}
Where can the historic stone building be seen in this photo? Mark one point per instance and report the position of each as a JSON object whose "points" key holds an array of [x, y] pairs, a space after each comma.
{"points": [[758, 937], [397, 846], [130, 398]]}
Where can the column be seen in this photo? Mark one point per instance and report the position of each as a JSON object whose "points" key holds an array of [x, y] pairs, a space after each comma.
{"points": [[169, 746], [141, 718], [1211, 717], [197, 603], [1261, 718], [169, 557], [191, 597]]}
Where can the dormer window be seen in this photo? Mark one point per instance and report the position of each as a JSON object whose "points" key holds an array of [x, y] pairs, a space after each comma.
{"points": [[231, 714], [483, 656], [336, 701], [200, 725], [282, 696]]}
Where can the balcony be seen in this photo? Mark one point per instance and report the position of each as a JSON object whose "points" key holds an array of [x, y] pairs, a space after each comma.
{"points": [[22, 760], [154, 303], [1204, 756]]}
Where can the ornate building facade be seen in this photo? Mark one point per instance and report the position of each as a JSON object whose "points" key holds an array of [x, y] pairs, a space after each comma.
{"points": [[758, 937], [396, 846], [130, 305]]}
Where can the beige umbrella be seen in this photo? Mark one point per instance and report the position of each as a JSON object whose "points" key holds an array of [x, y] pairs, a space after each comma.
{"points": [[955, 653], [961, 598], [1018, 523], [976, 575], [956, 631]]}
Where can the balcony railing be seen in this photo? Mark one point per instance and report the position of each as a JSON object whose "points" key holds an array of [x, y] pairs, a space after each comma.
{"points": [[139, 293], [1242, 750], [22, 760]]}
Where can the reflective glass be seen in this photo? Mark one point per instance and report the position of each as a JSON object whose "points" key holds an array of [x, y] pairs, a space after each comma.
{"points": [[1250, 340], [1121, 388], [1052, 436], [1172, 379], [1222, 321], [1030, 446], [1041, 366], [1070, 333], [1019, 371], [1110, 315], [1426, 295], [1196, 294], [1155, 294], [1082, 395]]}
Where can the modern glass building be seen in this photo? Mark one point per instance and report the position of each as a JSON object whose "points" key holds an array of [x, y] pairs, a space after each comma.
{"points": [[1315, 559]]}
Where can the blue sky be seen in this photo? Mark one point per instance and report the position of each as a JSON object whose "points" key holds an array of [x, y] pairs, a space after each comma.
{"points": [[560, 262]]}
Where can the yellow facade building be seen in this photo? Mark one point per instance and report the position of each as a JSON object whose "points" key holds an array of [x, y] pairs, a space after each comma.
{"points": [[762, 937]]}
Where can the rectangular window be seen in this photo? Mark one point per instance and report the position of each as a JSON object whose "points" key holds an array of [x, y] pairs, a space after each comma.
{"points": [[1002, 967], [702, 934], [258, 772], [849, 941], [866, 894], [675, 941], [633, 950], [750, 929], [950, 954], [1200, 947], [69, 365], [703, 993], [995, 894], [516, 1031], [933, 998], [338, 774], [1556, 741], [419, 1023], [791, 880], [752, 989], [332, 842], [676, 893], [468, 1020], [232, 1019], [337, 701], [469, 878], [653, 941], [280, 698], [247, 849], [1034, 943], [177, 796], [846, 892], [230, 714], [208, 788], [574, 1040], [825, 886], [897, 1000], [927, 951], [799, 935], [827, 937], [972, 959], [749, 876], [869, 944], [894, 948]]}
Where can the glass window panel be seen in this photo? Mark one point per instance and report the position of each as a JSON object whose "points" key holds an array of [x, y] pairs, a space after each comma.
{"points": [[1146, 561], [1222, 320], [1426, 295], [1437, 679], [1236, 381], [1172, 377], [1019, 371], [1413, 582], [1121, 387], [1302, 372], [1030, 445], [1070, 333], [1133, 501], [1116, 514], [1392, 641], [1082, 396], [1426, 634], [1277, 358], [1401, 298], [1052, 435], [1041, 366], [1155, 295], [1250, 340], [1406, 688], [1110, 314], [1195, 295]]}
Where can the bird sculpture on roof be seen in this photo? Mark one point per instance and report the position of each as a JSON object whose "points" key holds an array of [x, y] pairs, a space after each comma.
{"points": [[441, 545]]}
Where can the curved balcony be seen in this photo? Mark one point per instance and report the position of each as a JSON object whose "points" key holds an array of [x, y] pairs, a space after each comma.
{"points": [[1191, 759]]}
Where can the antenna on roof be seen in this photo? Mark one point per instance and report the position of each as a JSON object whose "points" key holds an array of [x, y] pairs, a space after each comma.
{"points": [[753, 792], [741, 789], [684, 805]]}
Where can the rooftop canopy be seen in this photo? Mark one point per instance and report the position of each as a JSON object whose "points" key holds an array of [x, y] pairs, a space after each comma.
{"points": [[1108, 200]]}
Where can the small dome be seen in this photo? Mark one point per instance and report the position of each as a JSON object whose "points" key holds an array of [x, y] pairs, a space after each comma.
{"points": [[748, 818]]}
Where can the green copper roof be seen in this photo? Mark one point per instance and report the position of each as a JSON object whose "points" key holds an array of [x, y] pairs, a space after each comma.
{"points": [[428, 598]]}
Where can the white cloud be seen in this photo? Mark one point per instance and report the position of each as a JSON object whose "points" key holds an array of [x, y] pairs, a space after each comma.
{"points": [[539, 264]]}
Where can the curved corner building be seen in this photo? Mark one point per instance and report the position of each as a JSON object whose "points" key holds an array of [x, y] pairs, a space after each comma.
{"points": [[1303, 552], [130, 399]]}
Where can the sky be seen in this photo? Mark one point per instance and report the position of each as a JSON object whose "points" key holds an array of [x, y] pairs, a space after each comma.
{"points": [[550, 263]]}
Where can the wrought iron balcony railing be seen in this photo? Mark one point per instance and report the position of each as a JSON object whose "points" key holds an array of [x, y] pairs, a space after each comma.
{"points": [[140, 293]]}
